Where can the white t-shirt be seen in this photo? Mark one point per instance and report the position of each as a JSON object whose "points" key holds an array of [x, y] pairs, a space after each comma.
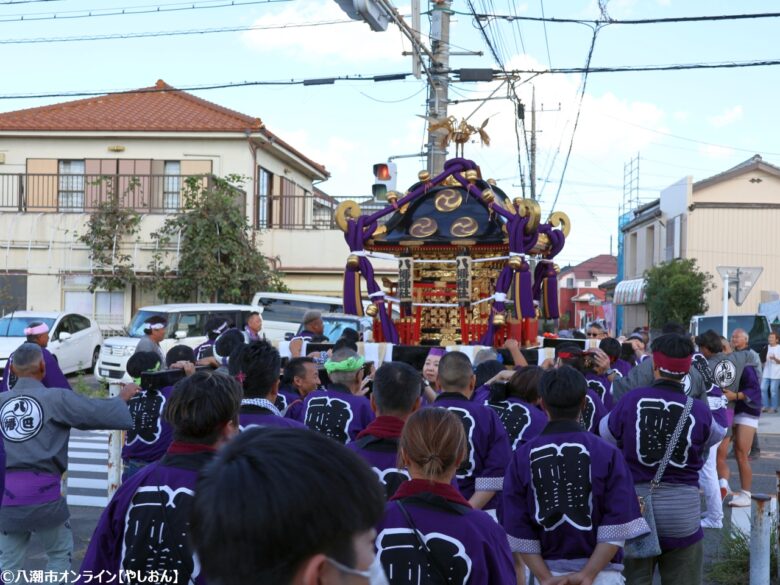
{"points": [[772, 369]]}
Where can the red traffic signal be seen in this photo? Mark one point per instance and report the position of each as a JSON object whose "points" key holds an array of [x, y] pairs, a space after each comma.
{"points": [[382, 172]]}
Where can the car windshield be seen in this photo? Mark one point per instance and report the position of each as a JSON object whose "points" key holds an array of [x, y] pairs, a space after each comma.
{"points": [[334, 327], [755, 325], [136, 328], [14, 325]]}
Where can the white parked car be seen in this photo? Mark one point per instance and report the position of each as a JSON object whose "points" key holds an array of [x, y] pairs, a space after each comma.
{"points": [[186, 323], [74, 339]]}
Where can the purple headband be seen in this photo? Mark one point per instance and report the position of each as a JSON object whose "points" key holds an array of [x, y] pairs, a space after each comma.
{"points": [[37, 330], [436, 351]]}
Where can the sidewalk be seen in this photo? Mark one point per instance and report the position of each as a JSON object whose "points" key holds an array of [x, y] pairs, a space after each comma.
{"points": [[769, 424]]}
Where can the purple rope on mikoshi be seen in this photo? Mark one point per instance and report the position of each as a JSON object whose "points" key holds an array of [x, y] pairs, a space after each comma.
{"points": [[358, 231], [545, 289]]}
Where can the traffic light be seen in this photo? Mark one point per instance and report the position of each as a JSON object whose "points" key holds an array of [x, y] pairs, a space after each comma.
{"points": [[385, 175], [368, 11]]}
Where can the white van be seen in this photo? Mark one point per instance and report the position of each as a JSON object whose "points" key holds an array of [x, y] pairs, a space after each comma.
{"points": [[186, 323], [283, 312]]}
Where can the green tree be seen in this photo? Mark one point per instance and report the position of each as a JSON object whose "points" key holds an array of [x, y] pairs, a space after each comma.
{"points": [[675, 291], [109, 226], [218, 259]]}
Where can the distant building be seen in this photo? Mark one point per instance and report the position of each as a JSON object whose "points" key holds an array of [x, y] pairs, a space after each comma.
{"points": [[729, 219], [579, 295], [59, 162]]}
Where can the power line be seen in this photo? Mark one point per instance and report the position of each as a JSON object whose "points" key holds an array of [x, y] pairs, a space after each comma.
{"points": [[170, 33], [546, 42], [206, 87], [8, 2], [577, 117], [131, 10], [641, 68], [671, 20]]}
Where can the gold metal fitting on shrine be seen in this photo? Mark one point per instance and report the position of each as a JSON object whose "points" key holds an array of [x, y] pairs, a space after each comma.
{"points": [[491, 182], [372, 310], [471, 175], [488, 196], [424, 176], [392, 197], [353, 261], [499, 320], [515, 262]]}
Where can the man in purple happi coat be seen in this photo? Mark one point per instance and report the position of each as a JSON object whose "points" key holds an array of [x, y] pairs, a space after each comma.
{"points": [[341, 411], [145, 527], [481, 474], [38, 332], [518, 410], [301, 377], [569, 501], [395, 396], [204, 353], [257, 366], [641, 425], [597, 392]]}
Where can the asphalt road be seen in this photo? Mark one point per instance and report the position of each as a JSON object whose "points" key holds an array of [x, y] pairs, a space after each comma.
{"points": [[765, 468]]}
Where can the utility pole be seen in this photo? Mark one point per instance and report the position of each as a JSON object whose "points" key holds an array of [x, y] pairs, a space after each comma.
{"points": [[438, 91], [532, 162]]}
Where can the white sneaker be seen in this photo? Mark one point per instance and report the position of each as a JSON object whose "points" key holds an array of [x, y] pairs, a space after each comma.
{"points": [[710, 523], [741, 499]]}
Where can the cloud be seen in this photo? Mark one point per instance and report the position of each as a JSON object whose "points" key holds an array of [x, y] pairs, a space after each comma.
{"points": [[727, 117], [351, 41]]}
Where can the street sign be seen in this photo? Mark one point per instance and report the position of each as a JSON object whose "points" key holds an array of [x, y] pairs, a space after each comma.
{"points": [[741, 280]]}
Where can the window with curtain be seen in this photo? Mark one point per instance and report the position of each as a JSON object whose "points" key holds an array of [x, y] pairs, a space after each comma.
{"points": [[171, 185], [264, 185], [70, 195]]}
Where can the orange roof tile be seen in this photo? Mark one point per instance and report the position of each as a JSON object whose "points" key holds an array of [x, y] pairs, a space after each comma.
{"points": [[160, 108]]}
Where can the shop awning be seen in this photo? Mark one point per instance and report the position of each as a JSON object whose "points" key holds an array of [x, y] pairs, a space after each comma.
{"points": [[630, 292]]}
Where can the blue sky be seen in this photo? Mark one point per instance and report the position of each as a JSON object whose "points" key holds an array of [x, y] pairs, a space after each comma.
{"points": [[680, 123]]}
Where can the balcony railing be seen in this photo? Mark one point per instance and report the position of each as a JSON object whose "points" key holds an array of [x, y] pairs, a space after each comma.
{"points": [[84, 193], [61, 193], [303, 211]]}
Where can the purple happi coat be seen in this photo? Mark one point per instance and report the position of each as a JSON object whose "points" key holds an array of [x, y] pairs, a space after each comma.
{"points": [[54, 378], [287, 395], [750, 386], [566, 491], [642, 423], [622, 366], [377, 444], [337, 413], [522, 421], [146, 525], [251, 415], [204, 350], [488, 450], [593, 411], [602, 387], [151, 434], [467, 544]]}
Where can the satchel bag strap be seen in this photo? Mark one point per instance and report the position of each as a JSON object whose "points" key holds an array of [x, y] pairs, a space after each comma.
{"points": [[423, 545], [672, 444]]}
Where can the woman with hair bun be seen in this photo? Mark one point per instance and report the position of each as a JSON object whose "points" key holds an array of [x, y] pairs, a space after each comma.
{"points": [[430, 533]]}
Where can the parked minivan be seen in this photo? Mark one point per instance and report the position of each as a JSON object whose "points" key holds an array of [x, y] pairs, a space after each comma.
{"points": [[283, 312], [186, 322], [756, 326]]}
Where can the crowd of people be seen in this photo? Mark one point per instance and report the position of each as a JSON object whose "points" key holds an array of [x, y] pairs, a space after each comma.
{"points": [[252, 468]]}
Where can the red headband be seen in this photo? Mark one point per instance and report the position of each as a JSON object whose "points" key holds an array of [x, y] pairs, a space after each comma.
{"points": [[567, 355], [671, 365]]}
